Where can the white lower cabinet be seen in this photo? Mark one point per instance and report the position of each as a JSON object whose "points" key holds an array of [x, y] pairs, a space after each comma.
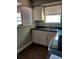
{"points": [[35, 36], [42, 37]]}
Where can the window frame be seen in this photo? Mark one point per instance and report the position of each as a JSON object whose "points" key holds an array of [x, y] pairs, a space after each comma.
{"points": [[50, 6], [19, 7]]}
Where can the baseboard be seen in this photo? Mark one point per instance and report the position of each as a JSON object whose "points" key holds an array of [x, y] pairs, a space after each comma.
{"points": [[21, 49]]}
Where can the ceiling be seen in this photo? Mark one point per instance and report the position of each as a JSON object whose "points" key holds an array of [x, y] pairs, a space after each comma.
{"points": [[38, 2]]}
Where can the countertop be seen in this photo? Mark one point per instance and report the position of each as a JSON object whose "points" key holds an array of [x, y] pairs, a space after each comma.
{"points": [[57, 30], [45, 29]]}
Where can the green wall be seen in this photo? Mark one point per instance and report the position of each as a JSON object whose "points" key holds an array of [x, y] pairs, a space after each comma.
{"points": [[23, 36], [24, 32]]}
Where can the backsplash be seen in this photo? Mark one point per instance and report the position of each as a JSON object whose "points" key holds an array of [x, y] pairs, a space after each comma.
{"points": [[40, 23]]}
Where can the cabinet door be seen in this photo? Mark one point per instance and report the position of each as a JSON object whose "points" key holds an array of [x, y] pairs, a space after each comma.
{"points": [[37, 13], [43, 38], [51, 36], [35, 36]]}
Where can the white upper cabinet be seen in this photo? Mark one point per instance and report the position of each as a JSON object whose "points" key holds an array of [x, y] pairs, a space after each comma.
{"points": [[37, 13]]}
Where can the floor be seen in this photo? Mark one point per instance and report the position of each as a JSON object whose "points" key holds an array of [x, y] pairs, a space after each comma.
{"points": [[34, 51]]}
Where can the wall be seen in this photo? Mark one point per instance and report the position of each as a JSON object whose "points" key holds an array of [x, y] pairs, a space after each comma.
{"points": [[26, 3], [24, 31], [23, 36], [49, 24]]}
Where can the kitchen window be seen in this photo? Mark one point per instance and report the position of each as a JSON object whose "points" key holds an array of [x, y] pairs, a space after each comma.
{"points": [[19, 16], [53, 19], [19, 20], [53, 14]]}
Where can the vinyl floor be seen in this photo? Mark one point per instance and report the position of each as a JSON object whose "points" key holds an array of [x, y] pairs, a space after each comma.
{"points": [[34, 51]]}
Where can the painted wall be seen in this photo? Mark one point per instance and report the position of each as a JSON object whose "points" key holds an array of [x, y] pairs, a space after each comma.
{"points": [[26, 3], [49, 24], [24, 31], [23, 36]]}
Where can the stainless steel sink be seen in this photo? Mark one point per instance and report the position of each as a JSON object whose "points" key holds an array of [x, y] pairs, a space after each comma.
{"points": [[45, 28]]}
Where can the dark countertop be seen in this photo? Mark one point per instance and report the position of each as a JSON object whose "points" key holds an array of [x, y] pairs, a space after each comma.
{"points": [[46, 29], [59, 31]]}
